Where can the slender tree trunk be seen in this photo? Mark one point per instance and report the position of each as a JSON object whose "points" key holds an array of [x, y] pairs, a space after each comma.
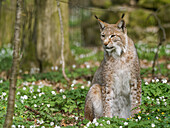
{"points": [[15, 66]]}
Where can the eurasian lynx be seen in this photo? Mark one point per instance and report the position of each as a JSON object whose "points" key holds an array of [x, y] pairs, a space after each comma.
{"points": [[116, 86]]}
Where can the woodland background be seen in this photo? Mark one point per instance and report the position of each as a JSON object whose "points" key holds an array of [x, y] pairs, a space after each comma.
{"points": [[40, 66], [40, 36]]}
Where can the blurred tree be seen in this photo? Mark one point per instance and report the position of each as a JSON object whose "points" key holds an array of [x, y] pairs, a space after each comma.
{"points": [[44, 48], [41, 42], [7, 21]]}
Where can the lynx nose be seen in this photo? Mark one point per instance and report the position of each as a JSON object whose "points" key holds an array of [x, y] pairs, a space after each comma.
{"points": [[106, 43]]}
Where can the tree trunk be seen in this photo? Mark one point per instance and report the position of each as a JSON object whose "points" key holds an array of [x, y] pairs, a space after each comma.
{"points": [[7, 21], [14, 70], [46, 41]]}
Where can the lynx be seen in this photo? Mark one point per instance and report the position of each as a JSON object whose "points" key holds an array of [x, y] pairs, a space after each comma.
{"points": [[116, 86]]}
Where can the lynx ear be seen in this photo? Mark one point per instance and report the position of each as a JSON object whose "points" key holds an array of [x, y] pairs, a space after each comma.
{"points": [[121, 24], [101, 23]]}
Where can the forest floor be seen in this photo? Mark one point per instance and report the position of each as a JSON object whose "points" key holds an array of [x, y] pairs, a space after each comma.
{"points": [[47, 100]]}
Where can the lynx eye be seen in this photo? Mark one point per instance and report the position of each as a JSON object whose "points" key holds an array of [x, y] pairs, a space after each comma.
{"points": [[112, 36], [103, 35]]}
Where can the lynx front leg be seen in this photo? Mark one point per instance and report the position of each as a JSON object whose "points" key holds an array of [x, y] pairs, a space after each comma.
{"points": [[136, 96], [107, 101], [93, 105]]}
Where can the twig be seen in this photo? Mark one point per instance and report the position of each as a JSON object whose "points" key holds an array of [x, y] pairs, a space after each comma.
{"points": [[38, 113], [62, 42], [32, 110], [161, 40]]}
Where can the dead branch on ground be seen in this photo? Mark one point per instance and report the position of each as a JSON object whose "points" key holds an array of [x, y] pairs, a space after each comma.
{"points": [[38, 113], [32, 110]]}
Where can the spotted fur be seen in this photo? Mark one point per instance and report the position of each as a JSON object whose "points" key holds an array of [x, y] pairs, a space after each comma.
{"points": [[116, 86]]}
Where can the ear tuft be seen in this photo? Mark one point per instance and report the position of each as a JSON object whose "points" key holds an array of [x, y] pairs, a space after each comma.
{"points": [[123, 15], [96, 17], [101, 23]]}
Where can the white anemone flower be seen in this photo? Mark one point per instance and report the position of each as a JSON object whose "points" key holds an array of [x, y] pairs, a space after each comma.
{"points": [[53, 92], [76, 118], [164, 81], [88, 124], [152, 125], [61, 90], [126, 123], [72, 85], [101, 124], [96, 124], [108, 122], [52, 123], [94, 120], [157, 80], [24, 88], [146, 83], [64, 97], [73, 66], [3, 93]]}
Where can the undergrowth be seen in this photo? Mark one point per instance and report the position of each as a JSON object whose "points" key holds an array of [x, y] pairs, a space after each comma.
{"points": [[46, 100], [66, 107]]}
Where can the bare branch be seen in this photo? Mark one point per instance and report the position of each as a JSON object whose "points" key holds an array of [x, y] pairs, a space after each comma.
{"points": [[62, 42], [161, 40]]}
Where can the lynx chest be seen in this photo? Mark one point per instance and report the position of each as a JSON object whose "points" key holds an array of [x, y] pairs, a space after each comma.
{"points": [[117, 76]]}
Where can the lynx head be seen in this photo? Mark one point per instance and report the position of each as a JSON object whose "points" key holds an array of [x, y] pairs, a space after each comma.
{"points": [[114, 37]]}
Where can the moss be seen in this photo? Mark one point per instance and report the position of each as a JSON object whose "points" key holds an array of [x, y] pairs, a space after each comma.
{"points": [[140, 18], [102, 3], [153, 3]]}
